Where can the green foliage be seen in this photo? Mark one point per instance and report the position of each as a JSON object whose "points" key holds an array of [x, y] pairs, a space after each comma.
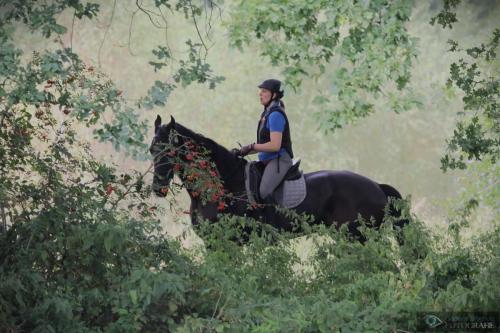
{"points": [[60, 79], [162, 54], [42, 16], [476, 136], [80, 267], [77, 257], [193, 69], [83, 250], [127, 131], [368, 40], [74, 258], [477, 206], [157, 95], [446, 16]]}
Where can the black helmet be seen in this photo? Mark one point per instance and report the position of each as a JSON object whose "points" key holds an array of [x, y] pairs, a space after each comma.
{"points": [[272, 85]]}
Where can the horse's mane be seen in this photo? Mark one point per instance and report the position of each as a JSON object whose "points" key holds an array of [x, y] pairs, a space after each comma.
{"points": [[207, 142], [217, 151]]}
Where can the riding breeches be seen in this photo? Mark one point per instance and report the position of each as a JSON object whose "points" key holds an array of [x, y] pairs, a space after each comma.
{"points": [[274, 173]]}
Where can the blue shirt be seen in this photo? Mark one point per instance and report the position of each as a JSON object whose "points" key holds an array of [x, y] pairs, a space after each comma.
{"points": [[275, 122]]}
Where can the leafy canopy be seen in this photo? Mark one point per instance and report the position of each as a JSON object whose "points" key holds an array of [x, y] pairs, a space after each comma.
{"points": [[360, 49], [476, 75]]}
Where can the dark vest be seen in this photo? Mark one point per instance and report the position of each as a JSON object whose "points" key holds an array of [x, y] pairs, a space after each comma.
{"points": [[264, 135]]}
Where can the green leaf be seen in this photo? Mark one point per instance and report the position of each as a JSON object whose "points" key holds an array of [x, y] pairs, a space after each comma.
{"points": [[108, 242], [133, 296]]}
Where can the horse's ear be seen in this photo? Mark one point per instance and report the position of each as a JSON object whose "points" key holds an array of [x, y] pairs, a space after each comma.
{"points": [[157, 123], [172, 121]]}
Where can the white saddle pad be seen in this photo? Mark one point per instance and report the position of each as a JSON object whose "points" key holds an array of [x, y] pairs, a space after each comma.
{"points": [[291, 192]]}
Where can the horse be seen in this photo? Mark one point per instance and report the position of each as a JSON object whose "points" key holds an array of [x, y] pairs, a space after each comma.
{"points": [[338, 197]]}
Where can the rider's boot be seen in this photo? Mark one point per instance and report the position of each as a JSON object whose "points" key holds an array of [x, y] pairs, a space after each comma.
{"points": [[269, 200]]}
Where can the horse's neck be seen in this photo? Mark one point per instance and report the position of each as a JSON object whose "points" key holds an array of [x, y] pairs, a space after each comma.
{"points": [[228, 167], [233, 179], [231, 171]]}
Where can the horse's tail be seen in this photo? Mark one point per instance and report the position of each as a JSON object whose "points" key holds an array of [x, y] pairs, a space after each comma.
{"points": [[390, 191], [394, 211]]}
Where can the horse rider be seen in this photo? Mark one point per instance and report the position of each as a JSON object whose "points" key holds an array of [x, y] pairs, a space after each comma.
{"points": [[274, 144]]}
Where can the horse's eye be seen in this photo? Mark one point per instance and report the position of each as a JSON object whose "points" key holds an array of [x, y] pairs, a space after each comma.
{"points": [[155, 148]]}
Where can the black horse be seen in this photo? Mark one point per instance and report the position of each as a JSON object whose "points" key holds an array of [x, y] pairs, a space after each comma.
{"points": [[332, 196]]}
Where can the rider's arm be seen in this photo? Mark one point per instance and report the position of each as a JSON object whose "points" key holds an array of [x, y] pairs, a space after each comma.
{"points": [[272, 146], [276, 127]]}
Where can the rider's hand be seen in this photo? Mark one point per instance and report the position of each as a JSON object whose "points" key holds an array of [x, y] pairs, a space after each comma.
{"points": [[235, 152], [245, 150]]}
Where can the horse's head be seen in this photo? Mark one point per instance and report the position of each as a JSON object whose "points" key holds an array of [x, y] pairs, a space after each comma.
{"points": [[163, 140]]}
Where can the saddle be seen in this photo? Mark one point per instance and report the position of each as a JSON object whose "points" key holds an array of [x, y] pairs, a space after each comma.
{"points": [[289, 193]]}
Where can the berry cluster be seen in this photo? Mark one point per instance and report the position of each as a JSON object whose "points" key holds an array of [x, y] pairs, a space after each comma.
{"points": [[191, 162]]}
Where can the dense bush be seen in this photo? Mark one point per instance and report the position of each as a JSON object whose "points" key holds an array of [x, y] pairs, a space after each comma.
{"points": [[82, 268], [83, 251]]}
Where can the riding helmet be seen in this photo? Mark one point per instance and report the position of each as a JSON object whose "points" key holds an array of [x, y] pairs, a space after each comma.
{"points": [[272, 85]]}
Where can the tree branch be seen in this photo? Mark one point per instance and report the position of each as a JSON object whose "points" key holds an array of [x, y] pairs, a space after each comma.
{"points": [[127, 191], [105, 33], [130, 32], [148, 13], [166, 32], [72, 28], [198, 30]]}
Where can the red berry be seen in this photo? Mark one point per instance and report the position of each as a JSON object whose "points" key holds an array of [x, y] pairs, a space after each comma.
{"points": [[221, 206], [109, 189], [255, 205]]}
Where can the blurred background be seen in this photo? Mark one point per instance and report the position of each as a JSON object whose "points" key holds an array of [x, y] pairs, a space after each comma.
{"points": [[403, 150]]}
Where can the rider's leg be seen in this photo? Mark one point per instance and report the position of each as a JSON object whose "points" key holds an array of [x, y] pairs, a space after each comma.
{"points": [[273, 175]]}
